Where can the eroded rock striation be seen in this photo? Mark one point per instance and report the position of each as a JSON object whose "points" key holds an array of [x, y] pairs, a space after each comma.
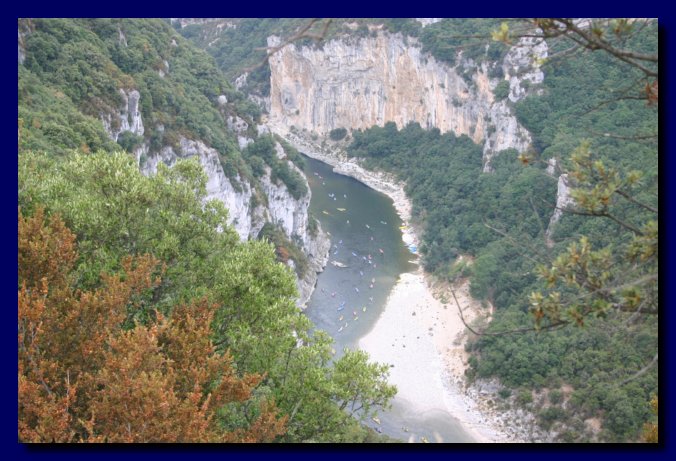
{"points": [[246, 215], [357, 83], [127, 118], [248, 218]]}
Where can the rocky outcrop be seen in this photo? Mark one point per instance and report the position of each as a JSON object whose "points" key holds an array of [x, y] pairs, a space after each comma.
{"points": [[520, 424], [521, 66], [357, 83], [237, 201], [290, 214], [552, 167], [25, 27], [183, 22], [261, 101], [257, 97], [238, 126], [126, 118], [235, 193], [121, 38], [563, 201], [22, 50], [427, 21]]}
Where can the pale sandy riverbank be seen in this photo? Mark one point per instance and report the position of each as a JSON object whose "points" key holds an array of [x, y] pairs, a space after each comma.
{"points": [[421, 337]]}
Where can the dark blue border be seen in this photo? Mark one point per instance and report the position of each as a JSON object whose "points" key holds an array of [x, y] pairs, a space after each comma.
{"points": [[334, 9]]}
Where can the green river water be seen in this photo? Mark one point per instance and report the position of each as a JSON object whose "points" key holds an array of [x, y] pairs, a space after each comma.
{"points": [[347, 301]]}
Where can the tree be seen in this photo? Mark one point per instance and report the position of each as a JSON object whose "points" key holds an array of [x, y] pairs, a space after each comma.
{"points": [[116, 211], [83, 378], [596, 280], [650, 430]]}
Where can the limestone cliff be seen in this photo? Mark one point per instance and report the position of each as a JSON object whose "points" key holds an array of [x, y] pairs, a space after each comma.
{"points": [[282, 208], [288, 213], [127, 117], [357, 83], [563, 201]]}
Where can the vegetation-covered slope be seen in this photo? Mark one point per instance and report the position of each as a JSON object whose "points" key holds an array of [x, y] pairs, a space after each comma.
{"points": [[73, 75], [157, 305], [591, 118], [89, 60]]}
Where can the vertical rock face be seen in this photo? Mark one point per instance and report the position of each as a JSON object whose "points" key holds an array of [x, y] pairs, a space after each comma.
{"points": [[219, 186], [127, 118], [563, 200], [520, 66], [290, 214], [283, 209], [358, 83], [22, 51], [428, 21]]}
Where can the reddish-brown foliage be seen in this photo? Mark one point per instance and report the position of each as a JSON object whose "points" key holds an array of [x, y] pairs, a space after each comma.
{"points": [[83, 378]]}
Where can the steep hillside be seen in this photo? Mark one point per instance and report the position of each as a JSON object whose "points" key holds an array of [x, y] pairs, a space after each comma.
{"points": [[150, 308], [434, 103], [137, 85], [359, 83], [367, 72]]}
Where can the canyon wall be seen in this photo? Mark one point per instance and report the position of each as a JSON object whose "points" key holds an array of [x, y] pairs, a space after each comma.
{"points": [[357, 83], [245, 215]]}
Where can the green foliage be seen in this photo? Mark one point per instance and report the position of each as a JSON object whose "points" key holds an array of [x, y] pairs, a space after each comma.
{"points": [[285, 249], [453, 198], [238, 43], [504, 393], [524, 397], [337, 134], [585, 281], [603, 267], [49, 121], [313, 225], [446, 38], [291, 153], [555, 397], [86, 61], [114, 210], [129, 141], [500, 219], [264, 148], [550, 415], [501, 91], [407, 26]]}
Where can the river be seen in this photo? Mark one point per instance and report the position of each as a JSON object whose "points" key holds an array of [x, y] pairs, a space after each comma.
{"points": [[347, 301]]}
